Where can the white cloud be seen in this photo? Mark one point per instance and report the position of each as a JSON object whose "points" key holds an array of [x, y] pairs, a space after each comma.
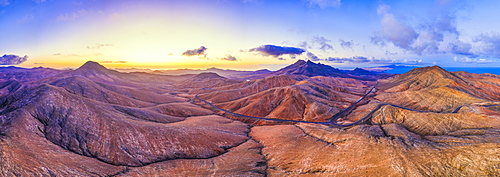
{"points": [[325, 3], [394, 31], [465, 59], [25, 19], [73, 16], [437, 35]]}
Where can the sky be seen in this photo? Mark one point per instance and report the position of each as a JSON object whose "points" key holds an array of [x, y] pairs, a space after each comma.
{"points": [[249, 34]]}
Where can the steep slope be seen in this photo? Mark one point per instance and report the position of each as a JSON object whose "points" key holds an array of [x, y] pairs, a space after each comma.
{"points": [[429, 123], [434, 89], [86, 88], [88, 122], [100, 131], [27, 74], [376, 150], [420, 78], [9, 86], [98, 122], [100, 74], [296, 102], [240, 90]]}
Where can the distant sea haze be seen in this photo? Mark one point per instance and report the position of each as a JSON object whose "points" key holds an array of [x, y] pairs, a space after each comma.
{"points": [[477, 70]]}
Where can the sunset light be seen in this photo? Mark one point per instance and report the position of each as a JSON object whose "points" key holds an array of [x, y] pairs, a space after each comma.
{"points": [[154, 34]]}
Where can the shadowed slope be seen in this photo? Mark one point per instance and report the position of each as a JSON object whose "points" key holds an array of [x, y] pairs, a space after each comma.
{"points": [[88, 123], [97, 130]]}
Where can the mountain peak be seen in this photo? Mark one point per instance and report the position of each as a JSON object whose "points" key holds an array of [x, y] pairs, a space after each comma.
{"points": [[426, 77], [208, 75], [91, 68], [433, 70], [361, 71], [92, 65], [300, 62], [309, 68]]}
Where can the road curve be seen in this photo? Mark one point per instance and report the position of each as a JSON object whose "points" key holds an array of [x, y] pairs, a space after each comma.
{"points": [[333, 120]]}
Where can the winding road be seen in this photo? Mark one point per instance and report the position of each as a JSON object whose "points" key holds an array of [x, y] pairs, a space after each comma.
{"points": [[333, 120]]}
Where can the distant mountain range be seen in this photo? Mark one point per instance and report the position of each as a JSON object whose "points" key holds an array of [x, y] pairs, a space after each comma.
{"points": [[400, 69], [301, 67], [309, 68]]}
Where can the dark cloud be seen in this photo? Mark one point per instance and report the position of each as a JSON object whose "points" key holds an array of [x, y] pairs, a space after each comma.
{"points": [[277, 51], [229, 58], [195, 52], [317, 42], [346, 44], [12, 59], [98, 46], [312, 57]]}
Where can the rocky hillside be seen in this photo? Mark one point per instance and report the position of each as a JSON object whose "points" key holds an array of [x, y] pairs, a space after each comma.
{"points": [[93, 121]]}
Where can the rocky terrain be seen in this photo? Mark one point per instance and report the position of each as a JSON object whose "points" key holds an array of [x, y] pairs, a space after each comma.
{"points": [[306, 119]]}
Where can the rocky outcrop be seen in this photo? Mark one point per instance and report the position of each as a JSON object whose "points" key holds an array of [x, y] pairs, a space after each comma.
{"points": [[373, 150], [87, 124]]}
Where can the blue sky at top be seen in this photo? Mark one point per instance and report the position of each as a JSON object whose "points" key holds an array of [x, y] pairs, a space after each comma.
{"points": [[342, 33]]}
